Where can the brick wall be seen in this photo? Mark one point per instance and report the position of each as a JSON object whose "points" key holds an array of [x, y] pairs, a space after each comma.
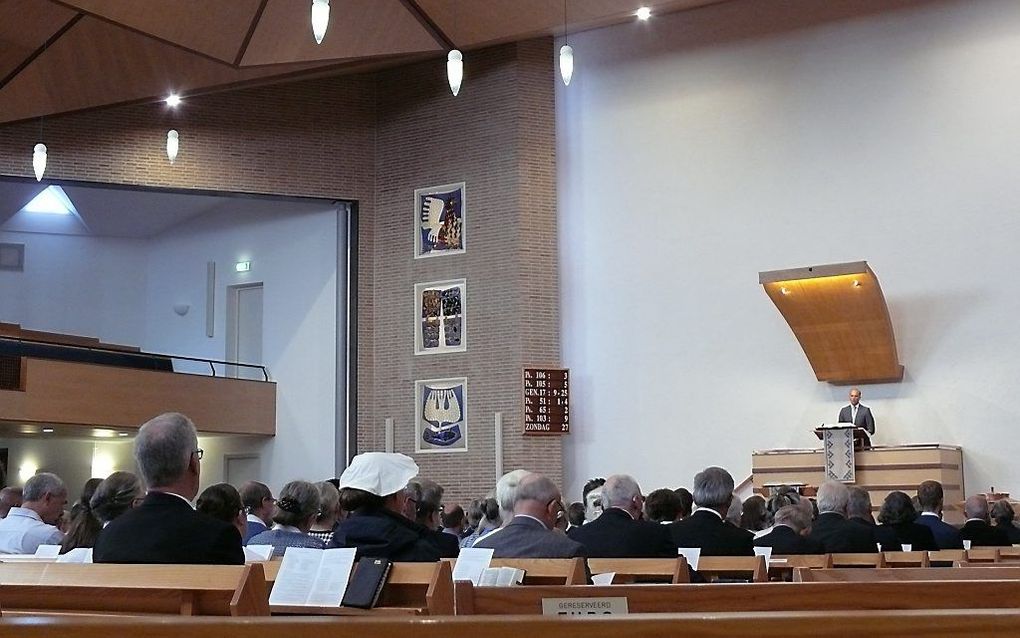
{"points": [[375, 138]]}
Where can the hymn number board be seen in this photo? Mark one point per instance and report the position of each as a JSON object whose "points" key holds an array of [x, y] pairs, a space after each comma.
{"points": [[546, 401]]}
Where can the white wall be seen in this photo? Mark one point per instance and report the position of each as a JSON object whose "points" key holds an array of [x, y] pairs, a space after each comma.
{"points": [[686, 170], [75, 461]]}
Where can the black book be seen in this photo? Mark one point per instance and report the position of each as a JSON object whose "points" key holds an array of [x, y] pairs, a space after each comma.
{"points": [[367, 583]]}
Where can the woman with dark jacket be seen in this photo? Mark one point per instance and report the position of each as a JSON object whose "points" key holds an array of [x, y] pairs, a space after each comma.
{"points": [[373, 491], [1002, 517], [898, 527]]}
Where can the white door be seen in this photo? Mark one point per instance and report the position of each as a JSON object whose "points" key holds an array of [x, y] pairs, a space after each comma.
{"points": [[244, 330], [238, 469]]}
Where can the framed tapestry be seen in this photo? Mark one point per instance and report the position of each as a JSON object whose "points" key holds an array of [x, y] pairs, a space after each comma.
{"points": [[440, 321], [440, 415], [439, 214]]}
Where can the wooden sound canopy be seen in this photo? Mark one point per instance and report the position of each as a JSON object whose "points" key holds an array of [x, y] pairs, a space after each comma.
{"points": [[839, 315]]}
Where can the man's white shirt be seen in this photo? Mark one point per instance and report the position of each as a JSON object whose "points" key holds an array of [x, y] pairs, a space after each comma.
{"points": [[23, 531]]}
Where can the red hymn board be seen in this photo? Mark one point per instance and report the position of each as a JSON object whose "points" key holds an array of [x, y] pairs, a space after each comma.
{"points": [[546, 401]]}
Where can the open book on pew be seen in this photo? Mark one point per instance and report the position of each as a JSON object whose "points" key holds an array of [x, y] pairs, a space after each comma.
{"points": [[473, 565], [313, 577]]}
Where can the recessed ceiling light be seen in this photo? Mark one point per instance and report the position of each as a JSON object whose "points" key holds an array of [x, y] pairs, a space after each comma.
{"points": [[51, 201], [123, 434], [47, 430], [102, 434], [643, 13], [172, 100]]}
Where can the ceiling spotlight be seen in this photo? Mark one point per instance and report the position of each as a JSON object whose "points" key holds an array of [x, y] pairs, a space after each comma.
{"points": [[643, 13], [857, 283], [47, 430], [172, 144], [39, 161], [123, 434], [784, 290], [320, 19], [455, 70], [566, 63], [172, 100]]}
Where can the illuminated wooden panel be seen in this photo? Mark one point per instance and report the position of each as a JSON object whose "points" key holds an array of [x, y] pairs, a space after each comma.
{"points": [[90, 396], [216, 29], [21, 38], [839, 316]]}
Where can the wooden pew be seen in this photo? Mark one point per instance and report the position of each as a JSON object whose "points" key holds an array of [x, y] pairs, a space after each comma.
{"points": [[946, 557], [787, 624], [905, 574], [756, 597], [411, 588], [906, 559], [751, 568], [218, 590], [858, 560], [983, 555], [781, 567], [642, 570], [543, 571]]}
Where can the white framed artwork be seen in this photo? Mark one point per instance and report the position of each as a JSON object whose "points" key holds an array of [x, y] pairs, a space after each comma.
{"points": [[440, 415], [439, 220], [440, 318]]}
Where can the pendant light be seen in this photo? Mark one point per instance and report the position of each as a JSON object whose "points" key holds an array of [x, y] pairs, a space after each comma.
{"points": [[566, 52], [320, 19], [172, 144], [455, 70], [39, 161]]}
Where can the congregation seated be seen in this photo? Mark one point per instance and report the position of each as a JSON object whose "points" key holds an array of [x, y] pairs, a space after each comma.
{"points": [[686, 502], [978, 529], [488, 520], [705, 527], [662, 506], [898, 526], [428, 509], [296, 509], [164, 528], [1002, 515], [222, 502], [930, 498], [373, 490], [258, 502], [506, 496], [453, 521], [9, 497], [530, 533], [575, 515], [329, 512], [591, 494], [831, 528], [858, 507], [619, 532], [32, 524], [754, 514], [790, 532], [784, 495], [116, 494], [83, 527]]}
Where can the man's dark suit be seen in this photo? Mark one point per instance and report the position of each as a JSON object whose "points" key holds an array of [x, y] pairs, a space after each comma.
{"points": [[615, 534], [980, 533], [707, 530], [946, 536], [837, 534], [165, 529], [863, 420], [783, 541], [526, 537], [893, 537]]}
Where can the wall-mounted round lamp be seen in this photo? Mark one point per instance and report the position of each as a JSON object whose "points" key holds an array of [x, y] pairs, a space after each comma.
{"points": [[182, 308]]}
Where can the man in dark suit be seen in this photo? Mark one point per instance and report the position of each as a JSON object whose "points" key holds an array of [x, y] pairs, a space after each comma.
{"points": [[706, 528], [165, 528], [531, 533], [619, 532], [789, 534], [978, 529], [930, 496], [833, 530], [859, 415]]}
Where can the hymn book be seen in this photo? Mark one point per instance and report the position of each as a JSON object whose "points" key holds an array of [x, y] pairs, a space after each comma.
{"points": [[313, 577]]}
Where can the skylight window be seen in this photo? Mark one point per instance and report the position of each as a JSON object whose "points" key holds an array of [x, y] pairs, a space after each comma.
{"points": [[51, 201]]}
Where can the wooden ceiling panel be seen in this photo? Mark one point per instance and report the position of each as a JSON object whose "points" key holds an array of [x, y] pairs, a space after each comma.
{"points": [[357, 28], [25, 25], [213, 27], [96, 63], [492, 21]]}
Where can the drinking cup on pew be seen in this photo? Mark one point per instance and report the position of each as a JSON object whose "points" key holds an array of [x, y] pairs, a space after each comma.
{"points": [[906, 547], [764, 551], [966, 545]]}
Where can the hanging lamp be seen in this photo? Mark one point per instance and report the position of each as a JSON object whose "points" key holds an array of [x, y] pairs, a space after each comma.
{"points": [[320, 19]]}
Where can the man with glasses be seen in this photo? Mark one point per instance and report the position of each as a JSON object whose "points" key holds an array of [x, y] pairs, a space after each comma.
{"points": [[165, 528], [530, 533], [619, 532]]}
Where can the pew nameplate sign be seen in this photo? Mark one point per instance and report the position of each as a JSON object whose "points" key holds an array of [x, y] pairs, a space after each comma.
{"points": [[546, 401], [608, 606]]}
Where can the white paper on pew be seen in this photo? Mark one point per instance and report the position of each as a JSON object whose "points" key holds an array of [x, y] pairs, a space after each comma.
{"points": [[471, 563], [777, 561], [692, 554], [966, 544], [297, 576], [257, 553], [332, 578], [906, 547], [48, 551], [764, 551], [603, 579], [76, 555]]}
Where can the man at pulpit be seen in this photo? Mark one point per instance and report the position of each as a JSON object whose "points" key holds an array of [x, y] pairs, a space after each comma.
{"points": [[859, 415]]}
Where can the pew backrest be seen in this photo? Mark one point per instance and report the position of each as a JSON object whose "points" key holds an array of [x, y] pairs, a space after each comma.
{"points": [[905, 574], [642, 570], [751, 568]]}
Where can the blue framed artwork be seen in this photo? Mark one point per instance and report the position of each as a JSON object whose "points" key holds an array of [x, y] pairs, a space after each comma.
{"points": [[440, 415], [439, 214]]}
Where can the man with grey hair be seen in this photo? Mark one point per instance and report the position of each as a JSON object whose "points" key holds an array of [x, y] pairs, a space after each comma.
{"points": [[165, 528], [619, 532], [858, 507], [531, 532], [506, 497], [705, 528], [9, 497], [34, 523], [832, 529], [978, 529], [789, 534]]}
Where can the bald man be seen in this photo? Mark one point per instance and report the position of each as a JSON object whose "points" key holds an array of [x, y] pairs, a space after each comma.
{"points": [[978, 529], [859, 415], [619, 532]]}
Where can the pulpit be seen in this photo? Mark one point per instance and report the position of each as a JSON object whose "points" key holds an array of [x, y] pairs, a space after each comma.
{"points": [[839, 442]]}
